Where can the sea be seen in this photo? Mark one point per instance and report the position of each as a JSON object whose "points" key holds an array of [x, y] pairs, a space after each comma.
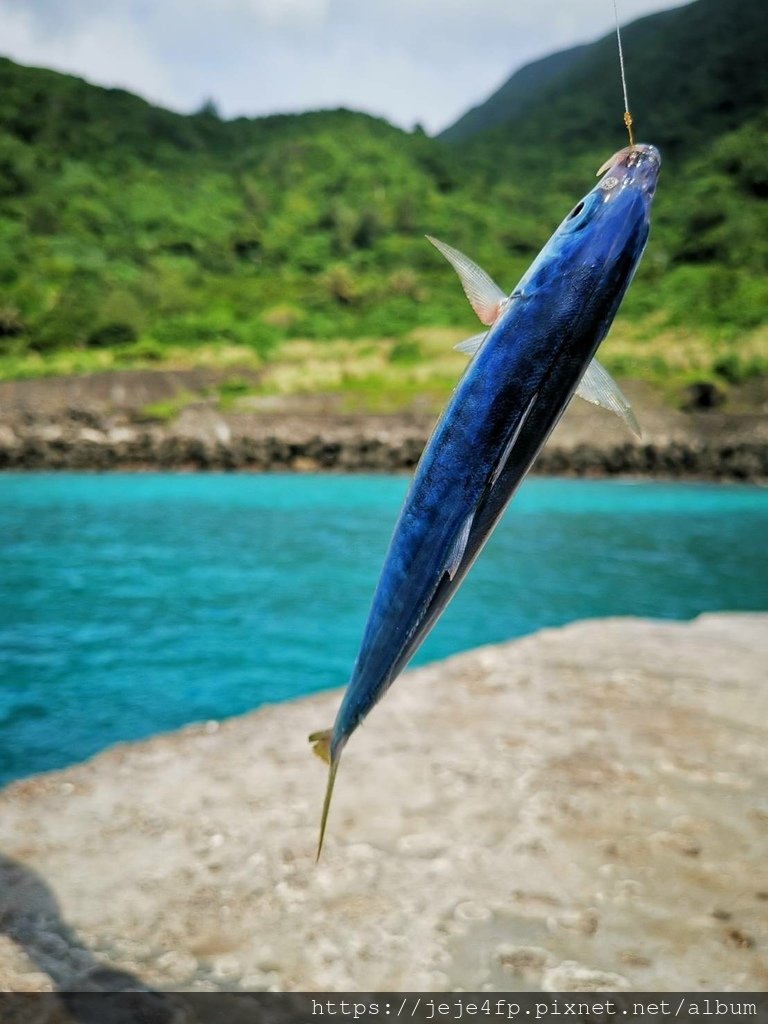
{"points": [[134, 604]]}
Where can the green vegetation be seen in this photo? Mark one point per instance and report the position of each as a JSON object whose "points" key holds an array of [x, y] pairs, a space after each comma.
{"points": [[694, 73], [699, 89], [164, 412], [131, 236]]}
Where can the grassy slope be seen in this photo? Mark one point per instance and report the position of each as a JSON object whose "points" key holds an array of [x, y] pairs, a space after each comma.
{"points": [[134, 236]]}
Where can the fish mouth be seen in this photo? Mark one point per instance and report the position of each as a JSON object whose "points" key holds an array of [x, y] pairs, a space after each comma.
{"points": [[638, 164]]}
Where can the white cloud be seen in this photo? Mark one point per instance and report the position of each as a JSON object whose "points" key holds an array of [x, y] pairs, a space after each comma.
{"points": [[286, 12], [409, 60], [103, 49]]}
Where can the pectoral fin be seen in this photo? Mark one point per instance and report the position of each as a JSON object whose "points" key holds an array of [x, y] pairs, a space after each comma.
{"points": [[598, 387], [485, 296]]}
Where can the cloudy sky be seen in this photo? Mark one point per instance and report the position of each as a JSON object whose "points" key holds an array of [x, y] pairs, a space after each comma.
{"points": [[411, 61]]}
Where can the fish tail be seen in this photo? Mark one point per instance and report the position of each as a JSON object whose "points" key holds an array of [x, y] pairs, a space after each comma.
{"points": [[321, 744]]}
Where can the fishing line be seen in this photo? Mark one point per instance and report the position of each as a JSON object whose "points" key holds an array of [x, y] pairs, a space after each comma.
{"points": [[627, 115]]}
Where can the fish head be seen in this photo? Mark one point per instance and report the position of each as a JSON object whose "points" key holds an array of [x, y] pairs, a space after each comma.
{"points": [[635, 167], [615, 214]]}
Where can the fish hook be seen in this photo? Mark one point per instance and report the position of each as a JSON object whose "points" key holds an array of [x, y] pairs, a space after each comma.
{"points": [[627, 115]]}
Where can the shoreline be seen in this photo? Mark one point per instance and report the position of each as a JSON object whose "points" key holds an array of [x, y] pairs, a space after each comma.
{"points": [[64, 448], [103, 422]]}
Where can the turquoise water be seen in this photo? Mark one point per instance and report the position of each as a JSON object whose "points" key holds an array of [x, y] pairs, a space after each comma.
{"points": [[132, 604]]}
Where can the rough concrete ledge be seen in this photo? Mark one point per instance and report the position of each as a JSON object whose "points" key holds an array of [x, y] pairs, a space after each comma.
{"points": [[584, 809]]}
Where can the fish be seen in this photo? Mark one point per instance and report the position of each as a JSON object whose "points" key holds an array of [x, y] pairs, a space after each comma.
{"points": [[536, 353]]}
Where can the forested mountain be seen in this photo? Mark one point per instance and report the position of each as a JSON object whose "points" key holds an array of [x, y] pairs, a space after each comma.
{"points": [[130, 228], [694, 72], [123, 222], [698, 83]]}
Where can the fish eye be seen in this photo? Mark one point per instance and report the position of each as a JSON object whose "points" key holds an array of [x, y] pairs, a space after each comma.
{"points": [[575, 211]]}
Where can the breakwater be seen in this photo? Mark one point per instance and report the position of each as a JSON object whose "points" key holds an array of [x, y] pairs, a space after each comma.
{"points": [[144, 420], [73, 444]]}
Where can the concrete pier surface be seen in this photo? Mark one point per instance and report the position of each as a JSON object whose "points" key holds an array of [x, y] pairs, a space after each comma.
{"points": [[585, 809]]}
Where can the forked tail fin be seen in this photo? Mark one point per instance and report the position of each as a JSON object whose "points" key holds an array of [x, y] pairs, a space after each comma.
{"points": [[321, 744]]}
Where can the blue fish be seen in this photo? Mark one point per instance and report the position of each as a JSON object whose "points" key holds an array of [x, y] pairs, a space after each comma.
{"points": [[537, 353]]}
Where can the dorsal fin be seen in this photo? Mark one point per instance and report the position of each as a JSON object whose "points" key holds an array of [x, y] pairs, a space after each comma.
{"points": [[485, 296], [471, 345]]}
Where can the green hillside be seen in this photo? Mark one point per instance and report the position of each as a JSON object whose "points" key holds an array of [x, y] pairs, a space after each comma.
{"points": [[699, 90], [694, 72], [130, 235], [125, 224]]}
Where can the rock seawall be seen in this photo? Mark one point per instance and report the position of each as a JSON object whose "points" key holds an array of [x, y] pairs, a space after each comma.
{"points": [[74, 447], [101, 423], [583, 809]]}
